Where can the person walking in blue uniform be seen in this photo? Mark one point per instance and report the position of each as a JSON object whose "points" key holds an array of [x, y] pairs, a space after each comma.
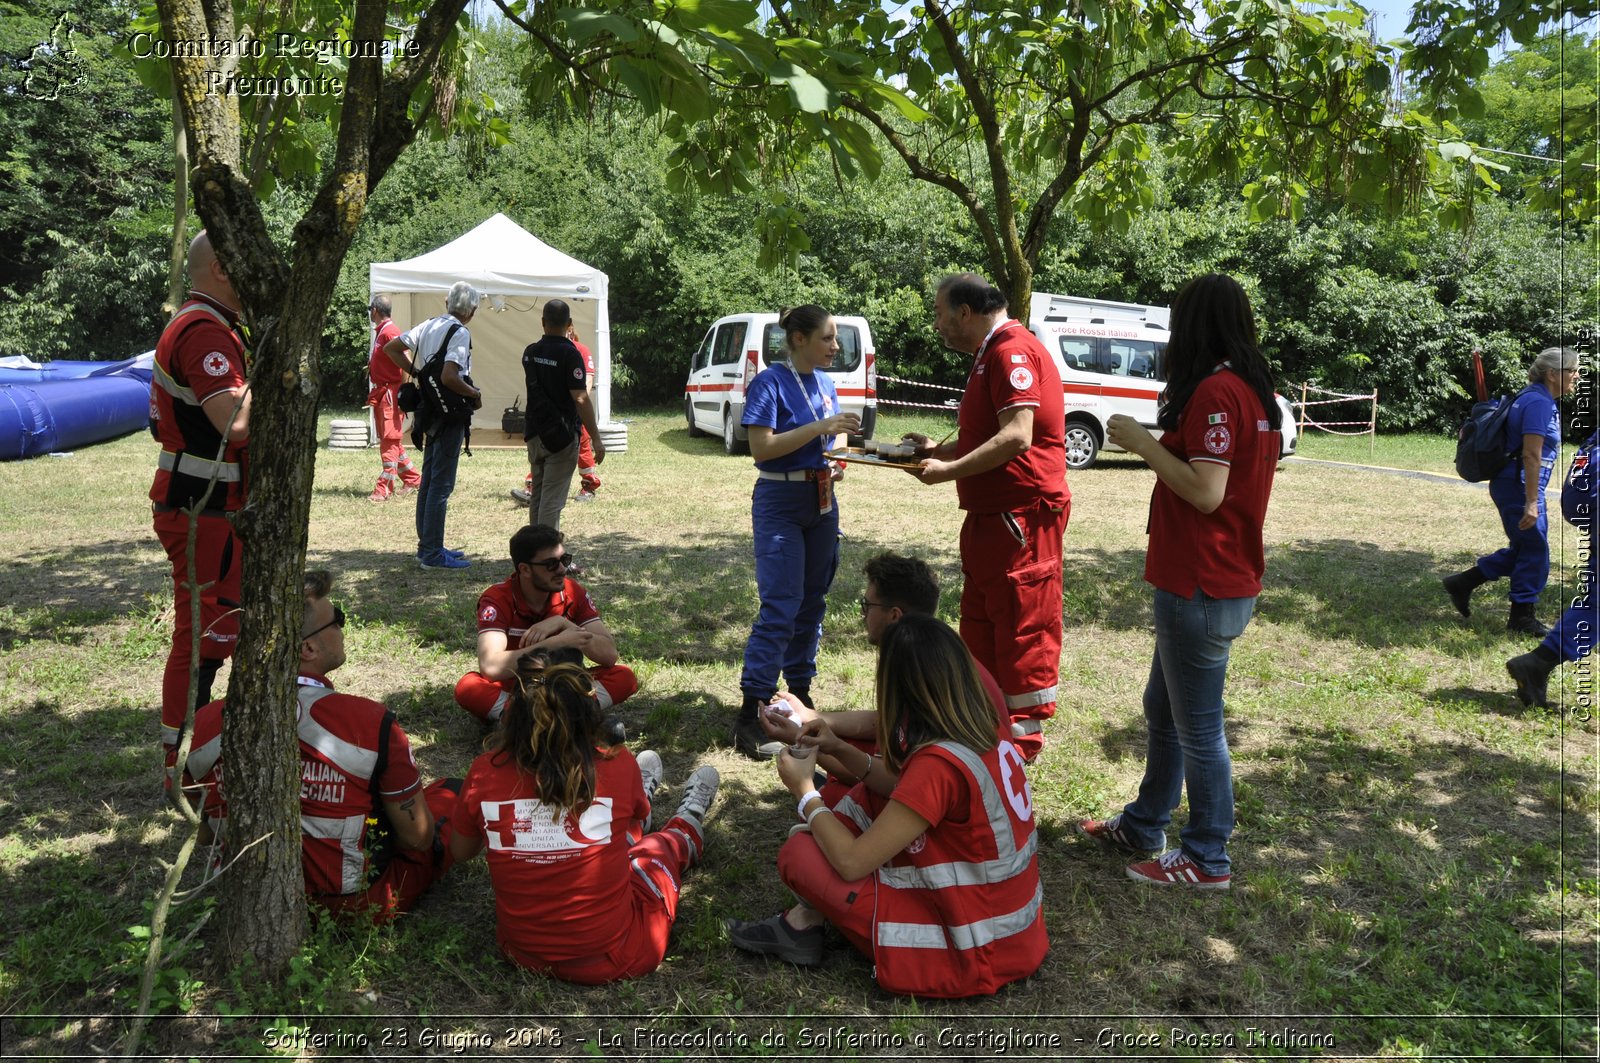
{"points": [[1572, 638], [1518, 493], [793, 417]]}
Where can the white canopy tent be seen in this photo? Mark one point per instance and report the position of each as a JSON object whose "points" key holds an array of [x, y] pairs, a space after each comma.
{"points": [[516, 273]]}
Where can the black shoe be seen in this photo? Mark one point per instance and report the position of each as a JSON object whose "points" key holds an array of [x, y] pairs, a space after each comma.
{"points": [[1522, 621], [1460, 587], [773, 936], [803, 696], [1531, 673], [613, 732], [752, 741]]}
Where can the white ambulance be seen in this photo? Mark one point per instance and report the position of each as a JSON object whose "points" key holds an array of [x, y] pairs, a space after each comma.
{"points": [[1110, 357], [739, 346]]}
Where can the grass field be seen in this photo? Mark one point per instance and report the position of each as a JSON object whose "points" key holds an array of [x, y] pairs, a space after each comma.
{"points": [[1415, 860]]}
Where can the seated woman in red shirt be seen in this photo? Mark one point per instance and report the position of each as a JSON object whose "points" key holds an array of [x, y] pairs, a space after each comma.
{"points": [[582, 890], [939, 882]]}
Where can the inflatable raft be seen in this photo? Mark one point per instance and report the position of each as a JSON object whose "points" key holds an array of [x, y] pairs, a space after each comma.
{"points": [[58, 406]]}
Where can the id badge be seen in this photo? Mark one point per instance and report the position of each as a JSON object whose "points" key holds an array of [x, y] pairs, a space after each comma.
{"points": [[824, 492]]}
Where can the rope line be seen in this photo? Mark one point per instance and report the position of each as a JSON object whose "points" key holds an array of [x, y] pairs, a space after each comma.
{"points": [[918, 383]]}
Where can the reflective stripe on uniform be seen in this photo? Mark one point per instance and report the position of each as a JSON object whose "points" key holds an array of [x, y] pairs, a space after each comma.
{"points": [[499, 707], [202, 760], [968, 936], [1031, 698], [163, 379], [1021, 728], [190, 465], [348, 757], [347, 832]]}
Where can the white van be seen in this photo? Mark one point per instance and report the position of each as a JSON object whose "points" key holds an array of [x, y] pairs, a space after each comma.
{"points": [[1110, 357], [739, 346]]}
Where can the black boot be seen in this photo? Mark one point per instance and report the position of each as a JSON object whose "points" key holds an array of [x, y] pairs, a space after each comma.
{"points": [[1524, 622], [1531, 673], [1460, 587], [748, 737], [803, 696]]}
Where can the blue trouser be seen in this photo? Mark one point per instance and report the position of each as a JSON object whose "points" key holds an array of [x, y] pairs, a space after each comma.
{"points": [[1186, 746], [1573, 635], [797, 553], [1527, 557], [439, 463]]}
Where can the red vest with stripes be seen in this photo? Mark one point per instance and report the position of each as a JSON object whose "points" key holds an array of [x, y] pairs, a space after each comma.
{"points": [[960, 912], [199, 354]]}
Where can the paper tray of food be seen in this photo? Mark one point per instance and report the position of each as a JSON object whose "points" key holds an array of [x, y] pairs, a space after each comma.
{"points": [[862, 457]]}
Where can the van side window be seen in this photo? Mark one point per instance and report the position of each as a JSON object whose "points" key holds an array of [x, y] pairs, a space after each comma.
{"points": [[1077, 354], [1135, 358], [730, 343], [702, 357]]}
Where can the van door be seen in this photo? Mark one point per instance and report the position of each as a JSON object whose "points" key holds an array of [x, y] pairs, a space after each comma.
{"points": [[1132, 371], [1077, 358], [704, 405], [725, 368]]}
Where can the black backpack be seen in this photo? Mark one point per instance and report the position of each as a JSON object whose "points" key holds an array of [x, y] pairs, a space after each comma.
{"points": [[1481, 449], [437, 407]]}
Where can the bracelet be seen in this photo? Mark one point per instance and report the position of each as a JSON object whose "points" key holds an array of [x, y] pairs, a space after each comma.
{"points": [[870, 758], [800, 809], [815, 812]]}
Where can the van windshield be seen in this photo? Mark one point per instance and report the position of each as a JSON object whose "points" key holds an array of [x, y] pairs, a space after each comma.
{"points": [[847, 360]]}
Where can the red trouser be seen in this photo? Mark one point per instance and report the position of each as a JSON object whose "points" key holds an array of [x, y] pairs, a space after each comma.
{"points": [[410, 871], [847, 905], [1011, 609], [218, 557], [390, 419], [657, 864], [588, 471], [486, 699]]}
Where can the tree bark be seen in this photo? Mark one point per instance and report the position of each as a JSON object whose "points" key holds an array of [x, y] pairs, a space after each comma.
{"points": [[264, 914]]}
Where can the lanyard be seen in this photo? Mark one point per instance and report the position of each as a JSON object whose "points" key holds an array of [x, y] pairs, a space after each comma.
{"points": [[816, 414], [983, 347]]}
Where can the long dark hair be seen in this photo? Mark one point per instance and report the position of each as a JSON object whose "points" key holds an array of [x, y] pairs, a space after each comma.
{"points": [[550, 729], [1212, 323], [929, 691]]}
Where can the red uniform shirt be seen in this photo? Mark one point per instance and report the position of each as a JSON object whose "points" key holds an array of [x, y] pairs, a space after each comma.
{"points": [[381, 369], [200, 354], [502, 608], [588, 359], [340, 740], [562, 885], [1218, 552], [1011, 370]]}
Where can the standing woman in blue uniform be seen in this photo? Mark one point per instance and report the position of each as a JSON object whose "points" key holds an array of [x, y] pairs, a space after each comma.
{"points": [[792, 414], [1533, 435]]}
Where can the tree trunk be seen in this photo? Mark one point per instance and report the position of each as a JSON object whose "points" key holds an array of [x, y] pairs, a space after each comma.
{"points": [[180, 208]]}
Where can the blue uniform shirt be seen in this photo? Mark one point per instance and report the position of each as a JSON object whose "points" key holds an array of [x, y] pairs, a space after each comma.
{"points": [[1533, 413], [780, 399]]}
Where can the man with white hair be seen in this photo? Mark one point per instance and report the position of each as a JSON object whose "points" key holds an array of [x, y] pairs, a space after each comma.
{"points": [[444, 337]]}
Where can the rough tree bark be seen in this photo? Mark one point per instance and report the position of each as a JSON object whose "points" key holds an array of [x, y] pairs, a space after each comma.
{"points": [[285, 302]]}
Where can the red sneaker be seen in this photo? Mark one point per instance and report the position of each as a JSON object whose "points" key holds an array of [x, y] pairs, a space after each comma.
{"points": [[1172, 868], [1109, 832], [379, 494]]}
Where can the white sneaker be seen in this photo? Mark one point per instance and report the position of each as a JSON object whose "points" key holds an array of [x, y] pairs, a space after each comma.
{"points": [[651, 773], [584, 496], [699, 790]]}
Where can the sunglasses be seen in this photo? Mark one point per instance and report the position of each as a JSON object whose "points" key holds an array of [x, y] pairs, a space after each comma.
{"points": [[555, 564], [867, 603], [337, 621]]}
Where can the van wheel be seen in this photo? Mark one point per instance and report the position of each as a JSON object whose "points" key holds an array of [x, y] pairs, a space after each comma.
{"points": [[731, 443], [695, 431], [1083, 445]]}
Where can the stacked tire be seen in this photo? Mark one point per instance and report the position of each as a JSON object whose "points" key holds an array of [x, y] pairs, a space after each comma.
{"points": [[348, 435]]}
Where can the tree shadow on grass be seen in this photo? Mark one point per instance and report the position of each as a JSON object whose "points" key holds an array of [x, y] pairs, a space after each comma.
{"points": [[81, 586]]}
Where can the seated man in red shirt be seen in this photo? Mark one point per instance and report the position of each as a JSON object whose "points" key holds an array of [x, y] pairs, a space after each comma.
{"points": [[373, 838], [538, 609]]}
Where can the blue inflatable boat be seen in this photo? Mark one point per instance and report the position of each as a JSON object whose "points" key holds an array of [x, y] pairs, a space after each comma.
{"points": [[61, 406]]}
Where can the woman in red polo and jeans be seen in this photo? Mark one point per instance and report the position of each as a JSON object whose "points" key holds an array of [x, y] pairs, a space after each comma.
{"points": [[1214, 466]]}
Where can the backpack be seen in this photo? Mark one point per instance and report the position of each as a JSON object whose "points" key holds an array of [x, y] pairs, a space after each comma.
{"points": [[438, 407], [1481, 449], [1580, 494]]}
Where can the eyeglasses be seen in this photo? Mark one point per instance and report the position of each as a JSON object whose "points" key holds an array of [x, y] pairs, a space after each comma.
{"points": [[337, 621], [867, 603], [554, 564]]}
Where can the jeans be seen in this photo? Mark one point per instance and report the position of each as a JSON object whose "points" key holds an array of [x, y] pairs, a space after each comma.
{"points": [[439, 463], [552, 475], [797, 553], [1526, 558], [1186, 747]]}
